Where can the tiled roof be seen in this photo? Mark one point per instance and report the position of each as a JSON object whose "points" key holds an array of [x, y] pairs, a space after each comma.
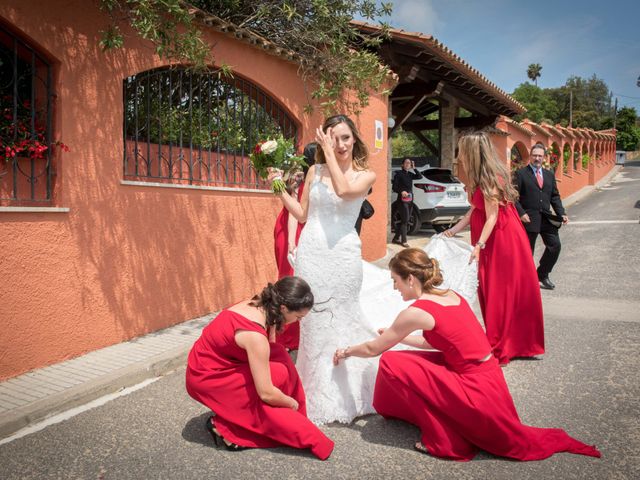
{"points": [[537, 127], [444, 53], [553, 129], [519, 126]]}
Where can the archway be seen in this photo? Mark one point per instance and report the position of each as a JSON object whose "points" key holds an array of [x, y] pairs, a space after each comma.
{"points": [[553, 156], [566, 158], [576, 156], [519, 156]]}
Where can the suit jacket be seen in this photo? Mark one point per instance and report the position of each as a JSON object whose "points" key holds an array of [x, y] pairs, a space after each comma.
{"points": [[403, 181], [536, 201]]}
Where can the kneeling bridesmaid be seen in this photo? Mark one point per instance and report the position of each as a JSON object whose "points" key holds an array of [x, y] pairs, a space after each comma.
{"points": [[252, 386], [457, 395]]}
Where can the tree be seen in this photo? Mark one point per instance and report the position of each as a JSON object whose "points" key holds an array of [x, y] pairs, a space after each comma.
{"points": [[406, 144], [335, 55], [541, 107], [533, 72], [591, 101], [628, 131]]}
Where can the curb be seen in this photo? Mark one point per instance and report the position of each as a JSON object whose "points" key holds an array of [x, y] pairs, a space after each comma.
{"points": [[112, 382]]}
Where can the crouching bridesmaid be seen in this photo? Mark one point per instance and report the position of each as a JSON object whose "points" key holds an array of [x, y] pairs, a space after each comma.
{"points": [[457, 396], [251, 385]]}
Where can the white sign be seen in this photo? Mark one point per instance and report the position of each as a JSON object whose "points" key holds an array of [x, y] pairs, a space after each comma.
{"points": [[379, 143]]}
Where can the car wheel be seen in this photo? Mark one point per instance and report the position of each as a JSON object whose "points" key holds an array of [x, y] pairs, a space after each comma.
{"points": [[395, 217], [414, 223]]}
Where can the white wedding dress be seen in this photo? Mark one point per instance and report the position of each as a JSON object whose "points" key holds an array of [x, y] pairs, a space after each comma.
{"points": [[353, 299], [329, 258]]}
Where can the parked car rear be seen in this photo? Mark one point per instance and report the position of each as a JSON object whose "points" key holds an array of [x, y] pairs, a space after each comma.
{"points": [[439, 199]]}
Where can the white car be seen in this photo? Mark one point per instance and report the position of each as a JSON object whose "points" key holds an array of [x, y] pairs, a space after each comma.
{"points": [[439, 199]]}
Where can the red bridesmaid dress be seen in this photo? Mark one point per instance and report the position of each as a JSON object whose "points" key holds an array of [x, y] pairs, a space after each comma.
{"points": [[508, 288], [461, 404], [218, 376], [290, 335]]}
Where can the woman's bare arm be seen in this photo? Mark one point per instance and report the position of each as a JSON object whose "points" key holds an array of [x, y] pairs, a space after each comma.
{"points": [[258, 351]]}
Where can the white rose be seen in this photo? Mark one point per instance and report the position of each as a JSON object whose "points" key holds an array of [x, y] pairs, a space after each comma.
{"points": [[269, 147]]}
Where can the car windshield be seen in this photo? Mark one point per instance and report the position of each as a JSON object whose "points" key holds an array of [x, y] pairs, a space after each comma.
{"points": [[440, 175]]}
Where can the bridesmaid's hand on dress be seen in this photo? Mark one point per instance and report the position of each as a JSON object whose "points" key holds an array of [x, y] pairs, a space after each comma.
{"points": [[340, 354], [449, 233], [475, 255], [294, 405]]}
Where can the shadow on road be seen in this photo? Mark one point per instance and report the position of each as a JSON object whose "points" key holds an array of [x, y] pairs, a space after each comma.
{"points": [[195, 432]]}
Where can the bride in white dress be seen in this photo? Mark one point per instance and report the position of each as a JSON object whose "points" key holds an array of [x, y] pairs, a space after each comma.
{"points": [[329, 259]]}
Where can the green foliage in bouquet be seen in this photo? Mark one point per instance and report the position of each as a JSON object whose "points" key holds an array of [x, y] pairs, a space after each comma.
{"points": [[277, 154]]}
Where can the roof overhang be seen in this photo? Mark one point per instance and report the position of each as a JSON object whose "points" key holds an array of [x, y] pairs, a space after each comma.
{"points": [[421, 60]]}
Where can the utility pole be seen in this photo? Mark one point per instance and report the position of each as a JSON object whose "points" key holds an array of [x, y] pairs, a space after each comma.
{"points": [[570, 108], [615, 113]]}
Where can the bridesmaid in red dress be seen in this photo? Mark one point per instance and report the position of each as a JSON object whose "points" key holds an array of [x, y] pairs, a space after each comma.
{"points": [[508, 287], [252, 386], [285, 238], [457, 396]]}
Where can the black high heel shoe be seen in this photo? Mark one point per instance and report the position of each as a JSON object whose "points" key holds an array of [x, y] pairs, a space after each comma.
{"points": [[219, 439]]}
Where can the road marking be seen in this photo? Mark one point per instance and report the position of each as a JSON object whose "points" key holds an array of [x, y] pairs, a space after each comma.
{"points": [[61, 417], [589, 222]]}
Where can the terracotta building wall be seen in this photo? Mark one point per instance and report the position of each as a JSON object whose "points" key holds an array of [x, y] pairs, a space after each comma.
{"points": [[126, 260]]}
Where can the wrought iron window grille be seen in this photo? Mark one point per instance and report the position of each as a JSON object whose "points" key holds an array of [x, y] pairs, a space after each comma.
{"points": [[197, 128], [26, 119]]}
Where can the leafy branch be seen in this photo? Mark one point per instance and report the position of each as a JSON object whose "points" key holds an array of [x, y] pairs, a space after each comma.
{"points": [[336, 56]]}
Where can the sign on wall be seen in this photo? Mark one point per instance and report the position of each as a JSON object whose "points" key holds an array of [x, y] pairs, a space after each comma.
{"points": [[379, 143]]}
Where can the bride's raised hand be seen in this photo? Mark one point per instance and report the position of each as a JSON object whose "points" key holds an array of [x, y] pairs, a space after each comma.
{"points": [[325, 140]]}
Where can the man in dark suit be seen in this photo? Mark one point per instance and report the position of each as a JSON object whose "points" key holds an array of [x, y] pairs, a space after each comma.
{"points": [[538, 193], [403, 186]]}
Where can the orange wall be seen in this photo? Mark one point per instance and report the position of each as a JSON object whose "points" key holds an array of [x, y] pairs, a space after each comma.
{"points": [[571, 181], [127, 260]]}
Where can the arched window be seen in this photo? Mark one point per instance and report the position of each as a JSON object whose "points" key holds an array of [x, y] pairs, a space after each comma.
{"points": [[25, 123], [189, 127]]}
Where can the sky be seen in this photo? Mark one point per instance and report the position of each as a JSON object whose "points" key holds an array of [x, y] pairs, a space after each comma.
{"points": [[501, 38]]}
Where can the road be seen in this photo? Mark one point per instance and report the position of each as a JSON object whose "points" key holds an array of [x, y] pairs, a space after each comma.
{"points": [[588, 383]]}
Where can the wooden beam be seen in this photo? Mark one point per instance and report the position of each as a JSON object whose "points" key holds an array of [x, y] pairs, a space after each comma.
{"points": [[427, 142], [406, 112], [466, 100], [480, 121], [408, 90], [408, 72]]}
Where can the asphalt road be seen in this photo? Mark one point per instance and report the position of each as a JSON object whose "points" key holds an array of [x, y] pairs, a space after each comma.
{"points": [[588, 383]]}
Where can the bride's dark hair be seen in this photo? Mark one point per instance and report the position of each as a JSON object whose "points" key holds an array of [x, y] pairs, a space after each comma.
{"points": [[292, 292]]}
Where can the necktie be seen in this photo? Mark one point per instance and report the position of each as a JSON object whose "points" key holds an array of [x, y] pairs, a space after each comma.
{"points": [[539, 177]]}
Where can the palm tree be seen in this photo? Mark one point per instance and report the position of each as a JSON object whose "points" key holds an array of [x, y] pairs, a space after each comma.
{"points": [[533, 72]]}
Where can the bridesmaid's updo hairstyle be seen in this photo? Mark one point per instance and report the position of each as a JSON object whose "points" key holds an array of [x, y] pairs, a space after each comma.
{"points": [[414, 261], [292, 292]]}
